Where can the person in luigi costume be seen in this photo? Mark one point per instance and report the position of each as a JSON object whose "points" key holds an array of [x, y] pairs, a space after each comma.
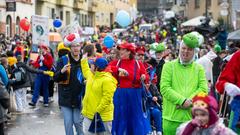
{"points": [[181, 80], [159, 52]]}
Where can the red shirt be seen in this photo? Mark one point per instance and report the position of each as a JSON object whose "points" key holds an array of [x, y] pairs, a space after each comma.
{"points": [[48, 61], [231, 73], [127, 81]]}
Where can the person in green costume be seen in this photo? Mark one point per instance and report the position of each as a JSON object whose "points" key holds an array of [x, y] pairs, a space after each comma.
{"points": [[181, 80]]}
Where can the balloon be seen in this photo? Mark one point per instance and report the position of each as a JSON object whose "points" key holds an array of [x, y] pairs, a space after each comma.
{"points": [[25, 24], [108, 41], [123, 18], [57, 23]]}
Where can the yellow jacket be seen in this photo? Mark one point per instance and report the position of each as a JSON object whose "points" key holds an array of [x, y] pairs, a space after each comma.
{"points": [[100, 88]]}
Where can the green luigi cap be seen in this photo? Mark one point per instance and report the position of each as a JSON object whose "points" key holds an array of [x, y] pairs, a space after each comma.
{"points": [[217, 48], [153, 46], [160, 47], [190, 40]]}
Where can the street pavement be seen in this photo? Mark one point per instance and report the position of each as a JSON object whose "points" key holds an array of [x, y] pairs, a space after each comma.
{"points": [[37, 121]]}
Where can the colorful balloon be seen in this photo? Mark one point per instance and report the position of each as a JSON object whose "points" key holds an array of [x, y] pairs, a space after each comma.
{"points": [[57, 23], [108, 41], [25, 24], [123, 18]]}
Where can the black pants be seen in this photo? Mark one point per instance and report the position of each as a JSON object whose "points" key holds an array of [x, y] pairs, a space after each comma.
{"points": [[2, 128]]}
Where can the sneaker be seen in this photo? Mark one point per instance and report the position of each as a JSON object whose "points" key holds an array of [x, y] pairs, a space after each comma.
{"points": [[32, 104], [45, 105], [41, 99], [50, 99]]}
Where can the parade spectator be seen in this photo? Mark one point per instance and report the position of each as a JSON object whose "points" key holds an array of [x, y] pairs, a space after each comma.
{"points": [[4, 82], [114, 54], [181, 80], [205, 120], [19, 49], [229, 81], [98, 98], [206, 62], [44, 62], [62, 50], [155, 102], [128, 112], [68, 74], [20, 86]]}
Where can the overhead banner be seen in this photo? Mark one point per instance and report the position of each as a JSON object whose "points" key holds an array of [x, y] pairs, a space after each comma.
{"points": [[40, 30], [71, 28]]}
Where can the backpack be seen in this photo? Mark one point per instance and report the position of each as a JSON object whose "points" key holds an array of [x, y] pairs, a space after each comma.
{"points": [[19, 74]]}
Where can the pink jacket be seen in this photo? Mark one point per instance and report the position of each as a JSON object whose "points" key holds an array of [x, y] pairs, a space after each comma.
{"points": [[216, 129]]}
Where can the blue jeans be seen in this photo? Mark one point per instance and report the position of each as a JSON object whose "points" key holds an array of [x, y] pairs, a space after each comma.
{"points": [[72, 116], [156, 114]]}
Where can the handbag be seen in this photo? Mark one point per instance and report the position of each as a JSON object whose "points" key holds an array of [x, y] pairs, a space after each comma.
{"points": [[4, 96], [13, 104], [97, 125]]}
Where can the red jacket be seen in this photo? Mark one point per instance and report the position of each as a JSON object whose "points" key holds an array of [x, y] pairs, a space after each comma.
{"points": [[48, 61], [127, 81], [231, 73]]}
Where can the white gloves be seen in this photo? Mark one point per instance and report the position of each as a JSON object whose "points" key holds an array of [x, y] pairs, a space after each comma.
{"points": [[231, 89], [122, 72], [41, 57]]}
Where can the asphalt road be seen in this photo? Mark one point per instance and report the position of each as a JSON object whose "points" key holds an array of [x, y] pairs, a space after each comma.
{"points": [[37, 121]]}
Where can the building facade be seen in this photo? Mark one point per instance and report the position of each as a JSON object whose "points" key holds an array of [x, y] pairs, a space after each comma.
{"points": [[89, 13], [196, 8], [148, 7], [9, 20]]}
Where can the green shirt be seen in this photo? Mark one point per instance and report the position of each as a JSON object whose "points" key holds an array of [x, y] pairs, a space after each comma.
{"points": [[178, 83]]}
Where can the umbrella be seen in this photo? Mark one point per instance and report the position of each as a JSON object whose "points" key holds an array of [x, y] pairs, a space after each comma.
{"points": [[54, 37], [235, 35], [197, 21]]}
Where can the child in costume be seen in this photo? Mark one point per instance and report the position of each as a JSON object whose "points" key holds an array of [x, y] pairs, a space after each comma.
{"points": [[205, 120]]}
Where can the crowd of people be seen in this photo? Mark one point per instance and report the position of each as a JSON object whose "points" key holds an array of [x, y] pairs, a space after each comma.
{"points": [[154, 81]]}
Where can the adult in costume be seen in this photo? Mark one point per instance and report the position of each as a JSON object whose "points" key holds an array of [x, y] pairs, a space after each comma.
{"points": [[129, 118], [181, 80], [229, 81], [69, 76], [44, 62]]}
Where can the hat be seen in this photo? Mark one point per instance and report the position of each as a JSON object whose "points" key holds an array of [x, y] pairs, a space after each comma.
{"points": [[206, 103], [43, 46], [217, 48], [61, 46], [153, 46], [190, 40], [199, 37], [128, 46], [140, 50], [101, 63], [160, 47], [73, 38]]}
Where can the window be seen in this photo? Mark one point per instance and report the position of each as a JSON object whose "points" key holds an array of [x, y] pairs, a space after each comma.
{"points": [[197, 3], [61, 15], [53, 13], [209, 3], [17, 26], [219, 2], [9, 26], [67, 17]]}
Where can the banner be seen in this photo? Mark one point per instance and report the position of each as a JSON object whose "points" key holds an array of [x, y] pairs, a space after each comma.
{"points": [[71, 28], [40, 30]]}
